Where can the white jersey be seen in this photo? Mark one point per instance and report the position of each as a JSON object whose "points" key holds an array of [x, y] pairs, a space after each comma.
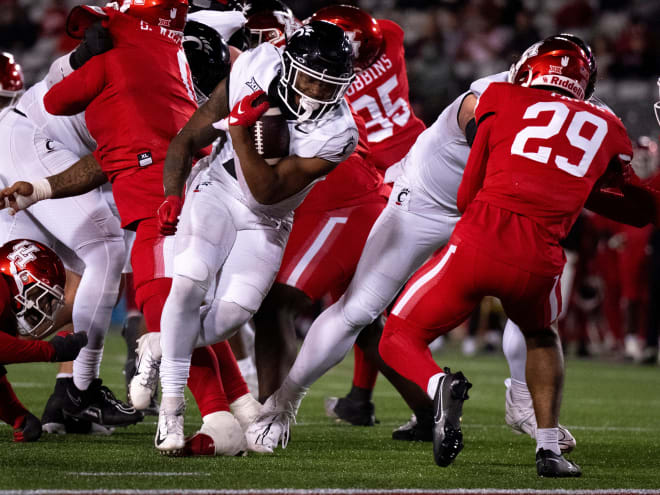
{"points": [[332, 138], [226, 23], [437, 159], [70, 131]]}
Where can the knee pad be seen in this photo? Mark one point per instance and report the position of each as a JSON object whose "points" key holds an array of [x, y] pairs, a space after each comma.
{"points": [[356, 310], [224, 319], [193, 269]]}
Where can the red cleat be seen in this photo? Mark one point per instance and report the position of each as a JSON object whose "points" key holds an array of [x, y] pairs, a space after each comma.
{"points": [[198, 444]]}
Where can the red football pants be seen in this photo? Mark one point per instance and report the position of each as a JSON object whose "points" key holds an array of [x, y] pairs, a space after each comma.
{"points": [[443, 293]]}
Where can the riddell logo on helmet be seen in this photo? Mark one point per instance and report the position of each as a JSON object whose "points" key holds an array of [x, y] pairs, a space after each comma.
{"points": [[560, 82]]}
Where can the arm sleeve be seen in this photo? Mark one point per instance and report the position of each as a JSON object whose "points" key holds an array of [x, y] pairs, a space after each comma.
{"points": [[10, 407], [72, 95], [623, 197], [475, 170], [15, 350]]}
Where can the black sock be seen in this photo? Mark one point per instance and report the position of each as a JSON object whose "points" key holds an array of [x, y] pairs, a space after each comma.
{"points": [[359, 394]]}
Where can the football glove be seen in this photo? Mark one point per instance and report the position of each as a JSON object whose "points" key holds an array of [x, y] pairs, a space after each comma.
{"points": [[168, 215], [27, 428], [96, 40], [245, 113], [68, 347]]}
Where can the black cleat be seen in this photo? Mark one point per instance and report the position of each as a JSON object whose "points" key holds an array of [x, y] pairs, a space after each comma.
{"points": [[99, 405], [551, 465], [55, 421], [357, 413], [448, 406], [415, 430]]}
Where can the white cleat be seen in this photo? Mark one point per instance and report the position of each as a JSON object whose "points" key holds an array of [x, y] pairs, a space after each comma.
{"points": [[169, 435], [220, 434], [145, 381], [271, 428], [520, 416], [246, 409]]}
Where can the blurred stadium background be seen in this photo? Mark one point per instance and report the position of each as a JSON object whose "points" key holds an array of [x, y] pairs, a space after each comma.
{"points": [[616, 295]]}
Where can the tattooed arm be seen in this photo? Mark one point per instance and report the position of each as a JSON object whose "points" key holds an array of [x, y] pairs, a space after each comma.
{"points": [[81, 177]]}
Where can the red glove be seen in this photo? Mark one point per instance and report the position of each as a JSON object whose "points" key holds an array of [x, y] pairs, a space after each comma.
{"points": [[168, 214], [245, 113]]}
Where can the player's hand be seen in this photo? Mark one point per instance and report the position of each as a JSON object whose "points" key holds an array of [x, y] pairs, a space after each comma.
{"points": [[168, 215], [246, 112], [96, 40], [17, 197], [27, 428], [68, 347]]}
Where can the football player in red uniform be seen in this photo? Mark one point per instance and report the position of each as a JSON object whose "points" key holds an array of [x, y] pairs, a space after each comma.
{"points": [[32, 281], [379, 95], [523, 187]]}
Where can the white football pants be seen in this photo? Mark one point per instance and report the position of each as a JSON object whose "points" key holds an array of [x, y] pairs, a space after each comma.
{"points": [[83, 224], [227, 257]]}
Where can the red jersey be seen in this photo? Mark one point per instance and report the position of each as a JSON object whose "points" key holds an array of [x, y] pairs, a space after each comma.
{"points": [[13, 349], [137, 97], [349, 182], [537, 155], [380, 95]]}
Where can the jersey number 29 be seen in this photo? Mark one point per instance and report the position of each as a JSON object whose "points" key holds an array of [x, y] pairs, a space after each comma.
{"points": [[560, 113]]}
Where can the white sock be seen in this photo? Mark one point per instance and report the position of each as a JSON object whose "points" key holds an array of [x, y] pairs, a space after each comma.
{"points": [[520, 392], [171, 404], [548, 439], [292, 393], [64, 375], [86, 367], [432, 386], [515, 351], [174, 376]]}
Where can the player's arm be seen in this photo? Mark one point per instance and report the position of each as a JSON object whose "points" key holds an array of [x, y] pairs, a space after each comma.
{"points": [[194, 136], [465, 118], [60, 348], [475, 169], [80, 178], [71, 95], [268, 184], [620, 196]]}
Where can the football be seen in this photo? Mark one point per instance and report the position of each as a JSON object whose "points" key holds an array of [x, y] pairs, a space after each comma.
{"points": [[270, 135]]}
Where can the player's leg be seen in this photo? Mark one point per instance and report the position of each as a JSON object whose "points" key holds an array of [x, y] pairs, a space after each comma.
{"points": [[397, 245], [204, 238], [533, 302], [419, 427], [416, 320]]}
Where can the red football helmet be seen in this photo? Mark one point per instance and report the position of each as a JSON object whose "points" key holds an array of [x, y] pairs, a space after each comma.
{"points": [[170, 14], [272, 26], [553, 63], [362, 30], [11, 77], [36, 278]]}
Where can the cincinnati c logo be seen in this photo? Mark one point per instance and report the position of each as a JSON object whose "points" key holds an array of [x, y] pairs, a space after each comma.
{"points": [[401, 197]]}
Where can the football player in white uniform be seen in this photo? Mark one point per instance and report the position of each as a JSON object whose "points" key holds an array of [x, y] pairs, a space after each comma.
{"points": [[238, 212], [83, 230], [418, 219]]}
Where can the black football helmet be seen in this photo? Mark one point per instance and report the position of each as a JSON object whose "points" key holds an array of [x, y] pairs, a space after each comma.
{"points": [[317, 69], [593, 70], [208, 57]]}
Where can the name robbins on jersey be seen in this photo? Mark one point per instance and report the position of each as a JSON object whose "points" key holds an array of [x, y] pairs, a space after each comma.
{"points": [[370, 74]]}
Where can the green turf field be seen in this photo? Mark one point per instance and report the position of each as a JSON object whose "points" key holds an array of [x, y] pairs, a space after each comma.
{"points": [[612, 409]]}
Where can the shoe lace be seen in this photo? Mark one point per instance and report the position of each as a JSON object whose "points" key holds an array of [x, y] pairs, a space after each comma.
{"points": [[108, 397], [150, 378], [173, 423]]}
